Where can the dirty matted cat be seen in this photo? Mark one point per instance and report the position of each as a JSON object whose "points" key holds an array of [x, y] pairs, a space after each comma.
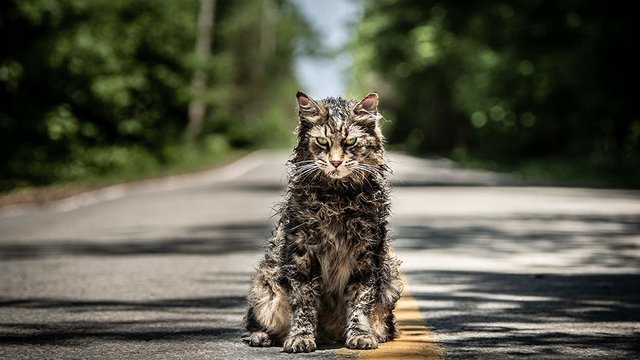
{"points": [[329, 274]]}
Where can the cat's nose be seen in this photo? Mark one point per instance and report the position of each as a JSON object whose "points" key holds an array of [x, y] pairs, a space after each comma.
{"points": [[336, 163]]}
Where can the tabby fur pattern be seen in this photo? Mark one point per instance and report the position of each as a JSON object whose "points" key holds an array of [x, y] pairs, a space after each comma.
{"points": [[329, 273]]}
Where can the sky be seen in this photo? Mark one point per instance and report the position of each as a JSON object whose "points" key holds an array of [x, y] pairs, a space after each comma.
{"points": [[322, 77]]}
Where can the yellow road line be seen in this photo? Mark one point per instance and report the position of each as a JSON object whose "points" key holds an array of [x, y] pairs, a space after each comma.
{"points": [[415, 342]]}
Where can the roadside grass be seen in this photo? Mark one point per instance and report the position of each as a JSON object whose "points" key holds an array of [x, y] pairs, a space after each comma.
{"points": [[186, 159]]}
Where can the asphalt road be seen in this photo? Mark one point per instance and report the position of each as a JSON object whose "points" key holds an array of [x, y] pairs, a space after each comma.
{"points": [[161, 270]]}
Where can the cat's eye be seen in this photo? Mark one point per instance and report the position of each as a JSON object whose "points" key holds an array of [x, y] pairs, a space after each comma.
{"points": [[350, 141], [322, 140]]}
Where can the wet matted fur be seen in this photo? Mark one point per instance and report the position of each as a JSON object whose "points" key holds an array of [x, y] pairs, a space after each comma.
{"points": [[329, 274]]}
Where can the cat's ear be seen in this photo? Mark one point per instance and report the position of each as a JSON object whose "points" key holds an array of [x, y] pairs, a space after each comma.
{"points": [[308, 109], [368, 105]]}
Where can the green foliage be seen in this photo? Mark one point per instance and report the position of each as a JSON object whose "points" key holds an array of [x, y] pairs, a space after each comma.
{"points": [[89, 88], [505, 81]]}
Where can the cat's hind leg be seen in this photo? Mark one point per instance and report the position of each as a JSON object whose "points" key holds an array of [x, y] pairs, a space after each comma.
{"points": [[381, 318], [269, 315], [258, 336], [385, 283]]}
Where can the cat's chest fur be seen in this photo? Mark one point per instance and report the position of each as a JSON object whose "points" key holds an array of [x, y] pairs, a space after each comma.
{"points": [[336, 257], [336, 246]]}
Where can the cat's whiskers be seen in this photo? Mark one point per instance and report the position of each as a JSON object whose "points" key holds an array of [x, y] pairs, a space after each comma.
{"points": [[304, 167], [308, 173], [308, 170], [368, 169], [303, 163], [358, 174], [363, 173], [299, 163], [315, 175], [307, 167], [301, 174]]}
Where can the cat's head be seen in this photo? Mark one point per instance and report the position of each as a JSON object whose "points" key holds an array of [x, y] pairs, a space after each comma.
{"points": [[339, 139]]}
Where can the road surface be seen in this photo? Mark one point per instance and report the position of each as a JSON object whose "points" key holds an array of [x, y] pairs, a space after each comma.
{"points": [[494, 269]]}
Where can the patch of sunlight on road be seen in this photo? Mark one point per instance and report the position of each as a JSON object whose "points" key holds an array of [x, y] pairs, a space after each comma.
{"points": [[415, 342]]}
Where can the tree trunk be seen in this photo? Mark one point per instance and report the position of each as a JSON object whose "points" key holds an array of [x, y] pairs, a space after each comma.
{"points": [[267, 36], [197, 106]]}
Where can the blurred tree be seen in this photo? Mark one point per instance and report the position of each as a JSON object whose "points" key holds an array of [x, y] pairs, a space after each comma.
{"points": [[203, 47], [93, 88], [506, 81], [254, 51]]}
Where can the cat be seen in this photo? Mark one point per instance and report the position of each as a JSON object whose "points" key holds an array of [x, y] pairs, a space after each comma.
{"points": [[329, 273]]}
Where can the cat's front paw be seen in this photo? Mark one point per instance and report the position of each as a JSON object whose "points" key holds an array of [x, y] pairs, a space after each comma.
{"points": [[259, 338], [362, 341], [300, 343]]}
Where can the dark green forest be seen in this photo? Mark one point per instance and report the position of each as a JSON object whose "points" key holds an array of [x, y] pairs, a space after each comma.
{"points": [[541, 86], [89, 89], [93, 88]]}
